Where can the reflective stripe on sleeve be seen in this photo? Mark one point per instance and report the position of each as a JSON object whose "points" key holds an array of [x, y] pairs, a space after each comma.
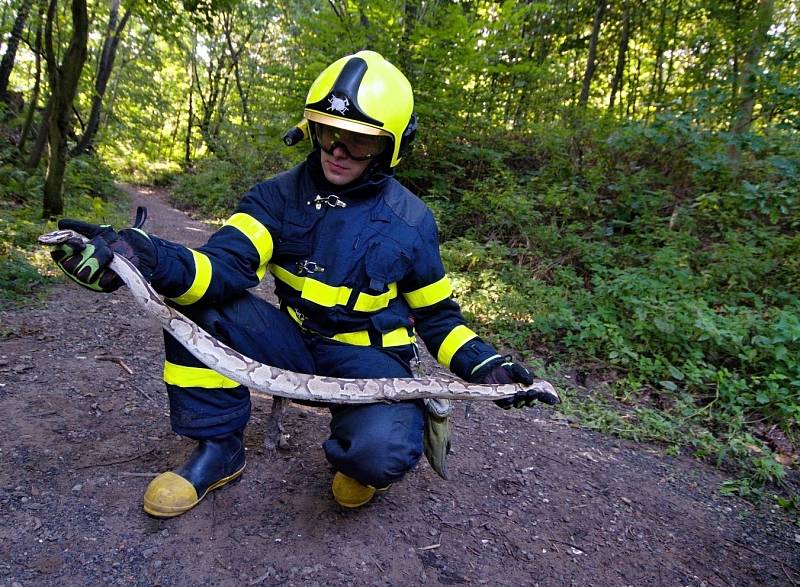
{"points": [[482, 363], [458, 337], [196, 377], [202, 279], [258, 235], [430, 294]]}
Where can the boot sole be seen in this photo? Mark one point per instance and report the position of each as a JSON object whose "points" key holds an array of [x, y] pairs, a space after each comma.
{"points": [[171, 512]]}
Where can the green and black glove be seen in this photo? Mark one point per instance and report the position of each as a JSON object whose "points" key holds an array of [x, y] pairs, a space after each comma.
{"points": [[503, 371], [87, 263]]}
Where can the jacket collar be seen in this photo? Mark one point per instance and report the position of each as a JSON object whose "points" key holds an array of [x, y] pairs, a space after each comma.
{"points": [[371, 183]]}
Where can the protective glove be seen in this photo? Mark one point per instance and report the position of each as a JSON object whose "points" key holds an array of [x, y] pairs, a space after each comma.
{"points": [[87, 263], [503, 371]]}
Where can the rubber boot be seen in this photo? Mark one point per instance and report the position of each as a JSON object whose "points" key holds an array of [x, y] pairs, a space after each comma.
{"points": [[214, 463], [350, 493]]}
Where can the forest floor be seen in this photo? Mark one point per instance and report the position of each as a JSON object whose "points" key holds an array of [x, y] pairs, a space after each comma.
{"points": [[531, 500]]}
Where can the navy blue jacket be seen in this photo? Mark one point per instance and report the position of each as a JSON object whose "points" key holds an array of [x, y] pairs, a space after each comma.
{"points": [[358, 264]]}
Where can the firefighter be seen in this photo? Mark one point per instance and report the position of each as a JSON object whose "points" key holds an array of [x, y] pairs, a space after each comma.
{"points": [[357, 270]]}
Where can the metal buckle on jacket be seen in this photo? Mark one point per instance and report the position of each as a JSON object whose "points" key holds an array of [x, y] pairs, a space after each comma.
{"points": [[307, 266], [332, 200], [417, 366]]}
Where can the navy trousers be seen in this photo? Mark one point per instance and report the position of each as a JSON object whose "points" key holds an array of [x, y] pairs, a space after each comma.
{"points": [[373, 443]]}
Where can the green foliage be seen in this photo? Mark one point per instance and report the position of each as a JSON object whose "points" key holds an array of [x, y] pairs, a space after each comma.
{"points": [[19, 280], [25, 266], [88, 175], [642, 257], [215, 186]]}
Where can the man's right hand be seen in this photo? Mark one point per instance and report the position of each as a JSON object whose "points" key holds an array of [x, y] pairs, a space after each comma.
{"points": [[88, 263]]}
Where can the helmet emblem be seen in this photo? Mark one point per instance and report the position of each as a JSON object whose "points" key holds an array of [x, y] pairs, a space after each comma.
{"points": [[340, 105]]}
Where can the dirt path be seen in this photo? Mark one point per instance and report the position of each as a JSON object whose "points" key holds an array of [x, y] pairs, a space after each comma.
{"points": [[531, 502]]}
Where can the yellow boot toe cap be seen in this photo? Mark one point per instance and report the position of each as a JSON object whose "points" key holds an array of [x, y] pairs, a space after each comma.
{"points": [[350, 493], [169, 495]]}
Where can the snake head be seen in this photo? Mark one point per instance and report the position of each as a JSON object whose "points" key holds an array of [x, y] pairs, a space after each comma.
{"points": [[58, 237]]}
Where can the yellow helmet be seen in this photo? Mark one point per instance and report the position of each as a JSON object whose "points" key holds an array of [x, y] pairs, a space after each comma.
{"points": [[366, 94]]}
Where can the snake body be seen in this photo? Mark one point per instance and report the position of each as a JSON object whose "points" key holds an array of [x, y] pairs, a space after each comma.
{"points": [[280, 382]]}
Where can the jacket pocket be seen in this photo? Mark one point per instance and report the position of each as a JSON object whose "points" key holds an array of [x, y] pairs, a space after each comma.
{"points": [[385, 263], [296, 238]]}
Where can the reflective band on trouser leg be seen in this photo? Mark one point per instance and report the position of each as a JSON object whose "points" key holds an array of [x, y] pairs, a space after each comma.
{"points": [[458, 337], [430, 294], [202, 279], [258, 235], [182, 376]]}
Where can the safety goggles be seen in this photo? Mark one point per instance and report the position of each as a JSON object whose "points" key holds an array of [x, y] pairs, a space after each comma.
{"points": [[358, 146]]}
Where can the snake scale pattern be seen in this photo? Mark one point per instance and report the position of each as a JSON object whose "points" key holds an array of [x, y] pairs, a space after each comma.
{"points": [[279, 382]]}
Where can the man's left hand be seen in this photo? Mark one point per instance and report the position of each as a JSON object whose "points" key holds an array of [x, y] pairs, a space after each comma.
{"points": [[505, 371]]}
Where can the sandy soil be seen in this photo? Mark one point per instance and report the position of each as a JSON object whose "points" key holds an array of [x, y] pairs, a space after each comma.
{"points": [[532, 501]]}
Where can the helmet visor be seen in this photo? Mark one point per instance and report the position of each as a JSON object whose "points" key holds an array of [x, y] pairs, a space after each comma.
{"points": [[358, 146]]}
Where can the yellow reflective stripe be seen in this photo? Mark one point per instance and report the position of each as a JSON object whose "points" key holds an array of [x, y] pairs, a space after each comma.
{"points": [[372, 303], [313, 290], [256, 232], [202, 279], [360, 338], [397, 337], [196, 377], [290, 279], [457, 338], [324, 294], [430, 294], [482, 363], [294, 315]]}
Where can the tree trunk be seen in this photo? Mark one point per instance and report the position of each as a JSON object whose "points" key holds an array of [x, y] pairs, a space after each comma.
{"points": [[672, 50], [63, 87], [748, 84], [656, 80], [616, 81], [734, 76], [590, 60], [410, 20], [235, 58], [187, 157], [227, 23], [212, 102], [104, 67], [7, 64], [37, 85], [41, 139]]}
